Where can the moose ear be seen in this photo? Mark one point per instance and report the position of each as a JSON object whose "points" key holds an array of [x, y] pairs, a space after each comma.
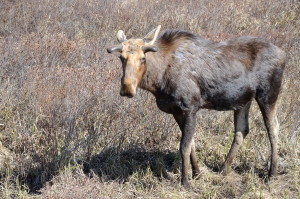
{"points": [[151, 37], [121, 36], [114, 49], [150, 48]]}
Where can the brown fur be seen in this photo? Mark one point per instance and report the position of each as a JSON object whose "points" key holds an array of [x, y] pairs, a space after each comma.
{"points": [[169, 41], [188, 73]]}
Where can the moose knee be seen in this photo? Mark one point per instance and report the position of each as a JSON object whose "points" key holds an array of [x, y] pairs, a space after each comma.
{"points": [[185, 149]]}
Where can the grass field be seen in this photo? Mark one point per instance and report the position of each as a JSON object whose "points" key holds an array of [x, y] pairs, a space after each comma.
{"points": [[66, 133]]}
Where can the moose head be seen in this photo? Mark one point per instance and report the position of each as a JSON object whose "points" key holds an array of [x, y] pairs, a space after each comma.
{"points": [[132, 53]]}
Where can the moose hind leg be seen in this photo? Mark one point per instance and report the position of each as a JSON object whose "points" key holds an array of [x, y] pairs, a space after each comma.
{"points": [[272, 126], [241, 129]]}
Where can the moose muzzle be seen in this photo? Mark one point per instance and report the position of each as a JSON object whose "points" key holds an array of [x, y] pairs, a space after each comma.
{"points": [[128, 87]]}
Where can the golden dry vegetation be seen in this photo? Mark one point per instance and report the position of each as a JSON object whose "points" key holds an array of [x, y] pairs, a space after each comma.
{"points": [[66, 133]]}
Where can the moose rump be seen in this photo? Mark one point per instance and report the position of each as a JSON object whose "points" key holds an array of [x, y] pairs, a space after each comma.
{"points": [[185, 73]]}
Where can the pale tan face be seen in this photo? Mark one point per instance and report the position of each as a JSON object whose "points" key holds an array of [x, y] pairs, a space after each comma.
{"points": [[132, 55], [133, 64]]}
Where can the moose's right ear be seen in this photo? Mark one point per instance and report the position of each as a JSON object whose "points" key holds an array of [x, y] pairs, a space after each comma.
{"points": [[115, 49], [121, 36], [151, 48]]}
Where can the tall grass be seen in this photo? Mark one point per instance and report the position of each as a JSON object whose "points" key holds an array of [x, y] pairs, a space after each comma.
{"points": [[61, 115]]}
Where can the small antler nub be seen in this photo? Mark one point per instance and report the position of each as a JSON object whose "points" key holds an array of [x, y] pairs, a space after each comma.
{"points": [[121, 36]]}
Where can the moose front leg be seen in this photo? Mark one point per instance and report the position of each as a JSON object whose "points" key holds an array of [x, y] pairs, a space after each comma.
{"points": [[186, 122], [194, 161]]}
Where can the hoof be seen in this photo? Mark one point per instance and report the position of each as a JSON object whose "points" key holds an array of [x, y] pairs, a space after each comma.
{"points": [[185, 184], [196, 175], [224, 170], [272, 174]]}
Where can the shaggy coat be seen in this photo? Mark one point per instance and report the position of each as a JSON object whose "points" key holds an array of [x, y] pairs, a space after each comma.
{"points": [[189, 72], [185, 73]]}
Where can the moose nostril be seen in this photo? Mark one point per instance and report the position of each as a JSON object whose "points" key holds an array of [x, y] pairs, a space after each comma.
{"points": [[126, 93]]}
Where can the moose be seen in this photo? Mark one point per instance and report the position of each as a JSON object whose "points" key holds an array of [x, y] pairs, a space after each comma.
{"points": [[186, 72]]}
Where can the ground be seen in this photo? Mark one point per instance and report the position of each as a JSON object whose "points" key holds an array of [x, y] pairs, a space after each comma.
{"points": [[66, 133]]}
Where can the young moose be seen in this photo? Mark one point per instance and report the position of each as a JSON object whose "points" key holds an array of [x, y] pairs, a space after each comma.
{"points": [[185, 73]]}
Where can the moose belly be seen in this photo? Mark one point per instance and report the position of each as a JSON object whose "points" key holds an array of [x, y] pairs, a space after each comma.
{"points": [[228, 99]]}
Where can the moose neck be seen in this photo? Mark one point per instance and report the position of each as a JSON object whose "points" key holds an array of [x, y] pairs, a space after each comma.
{"points": [[153, 76]]}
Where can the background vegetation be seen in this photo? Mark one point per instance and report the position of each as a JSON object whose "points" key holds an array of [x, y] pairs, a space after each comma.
{"points": [[66, 133]]}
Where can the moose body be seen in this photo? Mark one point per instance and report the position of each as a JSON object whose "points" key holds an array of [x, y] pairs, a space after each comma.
{"points": [[185, 73]]}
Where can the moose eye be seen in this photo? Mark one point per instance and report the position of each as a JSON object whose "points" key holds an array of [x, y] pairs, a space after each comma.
{"points": [[143, 60]]}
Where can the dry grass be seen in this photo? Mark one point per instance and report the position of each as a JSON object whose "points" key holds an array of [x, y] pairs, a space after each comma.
{"points": [[66, 133]]}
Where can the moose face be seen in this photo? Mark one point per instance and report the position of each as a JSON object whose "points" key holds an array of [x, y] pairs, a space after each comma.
{"points": [[132, 54], [134, 66]]}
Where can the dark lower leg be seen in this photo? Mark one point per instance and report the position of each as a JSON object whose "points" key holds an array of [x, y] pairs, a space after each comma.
{"points": [[194, 161], [187, 125], [185, 153], [273, 137], [270, 119], [237, 142], [241, 131]]}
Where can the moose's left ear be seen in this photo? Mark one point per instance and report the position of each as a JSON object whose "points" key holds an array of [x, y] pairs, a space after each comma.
{"points": [[151, 36]]}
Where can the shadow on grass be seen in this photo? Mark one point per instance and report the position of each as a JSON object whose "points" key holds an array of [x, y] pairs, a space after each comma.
{"points": [[113, 165], [110, 164], [37, 177], [242, 169]]}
